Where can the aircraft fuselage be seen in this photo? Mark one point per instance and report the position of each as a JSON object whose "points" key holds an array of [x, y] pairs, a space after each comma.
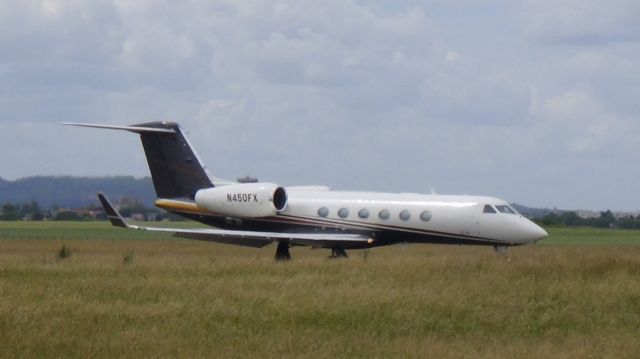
{"points": [[387, 217]]}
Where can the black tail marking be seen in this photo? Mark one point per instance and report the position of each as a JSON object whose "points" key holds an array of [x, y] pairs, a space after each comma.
{"points": [[175, 168]]}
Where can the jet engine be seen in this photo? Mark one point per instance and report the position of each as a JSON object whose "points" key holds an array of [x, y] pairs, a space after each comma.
{"points": [[248, 200]]}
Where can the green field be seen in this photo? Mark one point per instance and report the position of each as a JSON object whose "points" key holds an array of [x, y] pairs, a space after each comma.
{"points": [[133, 294]]}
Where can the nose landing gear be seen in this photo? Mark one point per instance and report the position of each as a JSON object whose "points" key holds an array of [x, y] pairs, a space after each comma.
{"points": [[503, 251], [500, 249]]}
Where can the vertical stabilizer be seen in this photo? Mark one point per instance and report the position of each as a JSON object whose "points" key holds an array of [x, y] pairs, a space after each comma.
{"points": [[175, 168]]}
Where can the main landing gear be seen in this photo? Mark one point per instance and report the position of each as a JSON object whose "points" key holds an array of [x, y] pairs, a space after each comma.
{"points": [[282, 252], [338, 253]]}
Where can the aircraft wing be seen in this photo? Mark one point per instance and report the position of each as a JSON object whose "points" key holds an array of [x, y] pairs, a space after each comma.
{"points": [[243, 238]]}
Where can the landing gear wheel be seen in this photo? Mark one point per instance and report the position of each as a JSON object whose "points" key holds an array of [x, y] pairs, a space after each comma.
{"points": [[338, 253], [500, 249], [282, 252], [503, 251]]}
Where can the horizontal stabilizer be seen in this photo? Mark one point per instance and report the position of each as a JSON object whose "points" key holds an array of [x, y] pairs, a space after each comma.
{"points": [[136, 129], [176, 169]]}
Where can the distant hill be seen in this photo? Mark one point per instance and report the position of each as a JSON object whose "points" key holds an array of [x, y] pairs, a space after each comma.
{"points": [[75, 192]]}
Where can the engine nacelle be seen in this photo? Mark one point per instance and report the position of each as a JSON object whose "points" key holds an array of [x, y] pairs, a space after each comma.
{"points": [[248, 200]]}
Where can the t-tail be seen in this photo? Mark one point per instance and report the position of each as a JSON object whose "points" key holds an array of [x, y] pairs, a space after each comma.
{"points": [[176, 169]]}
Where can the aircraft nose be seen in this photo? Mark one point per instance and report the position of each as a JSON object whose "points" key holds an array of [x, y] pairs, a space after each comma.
{"points": [[534, 232]]}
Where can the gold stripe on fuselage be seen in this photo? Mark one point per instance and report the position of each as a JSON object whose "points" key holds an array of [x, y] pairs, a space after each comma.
{"points": [[180, 206]]}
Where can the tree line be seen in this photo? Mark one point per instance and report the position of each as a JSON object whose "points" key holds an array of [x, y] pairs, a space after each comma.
{"points": [[32, 211], [605, 220]]}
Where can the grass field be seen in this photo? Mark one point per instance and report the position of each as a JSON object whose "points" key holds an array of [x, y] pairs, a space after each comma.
{"points": [[133, 294]]}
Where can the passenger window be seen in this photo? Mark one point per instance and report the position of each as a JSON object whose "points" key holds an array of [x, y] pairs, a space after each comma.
{"points": [[488, 209], [343, 213], [405, 215], [425, 216], [323, 212], [363, 213], [384, 214]]}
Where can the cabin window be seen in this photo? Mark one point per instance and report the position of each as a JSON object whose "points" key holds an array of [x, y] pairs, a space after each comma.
{"points": [[384, 214], [363, 213], [343, 213], [405, 215], [425, 216], [488, 209], [505, 209], [323, 211]]}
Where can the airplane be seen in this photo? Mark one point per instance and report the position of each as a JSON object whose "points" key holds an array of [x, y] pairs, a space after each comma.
{"points": [[258, 214]]}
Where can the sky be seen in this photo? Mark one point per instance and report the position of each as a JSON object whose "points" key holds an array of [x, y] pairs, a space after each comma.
{"points": [[533, 101]]}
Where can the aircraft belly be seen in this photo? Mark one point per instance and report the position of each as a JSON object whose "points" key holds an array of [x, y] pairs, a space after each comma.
{"points": [[381, 236]]}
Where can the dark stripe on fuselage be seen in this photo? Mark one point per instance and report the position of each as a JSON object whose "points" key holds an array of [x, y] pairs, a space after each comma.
{"points": [[376, 226], [383, 234]]}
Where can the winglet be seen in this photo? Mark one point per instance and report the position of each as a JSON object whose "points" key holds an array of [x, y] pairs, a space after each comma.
{"points": [[114, 216]]}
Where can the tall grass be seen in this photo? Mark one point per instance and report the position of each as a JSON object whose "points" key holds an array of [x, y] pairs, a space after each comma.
{"points": [[183, 298]]}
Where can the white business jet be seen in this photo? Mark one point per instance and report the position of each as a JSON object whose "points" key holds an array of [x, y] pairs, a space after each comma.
{"points": [[258, 214]]}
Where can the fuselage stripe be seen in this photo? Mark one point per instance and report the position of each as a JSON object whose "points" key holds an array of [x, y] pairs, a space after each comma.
{"points": [[192, 208], [373, 226]]}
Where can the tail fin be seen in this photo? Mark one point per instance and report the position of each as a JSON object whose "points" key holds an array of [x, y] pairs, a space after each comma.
{"points": [[176, 170]]}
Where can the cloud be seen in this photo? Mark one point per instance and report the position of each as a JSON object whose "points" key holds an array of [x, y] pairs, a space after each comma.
{"points": [[583, 21], [491, 98], [587, 127]]}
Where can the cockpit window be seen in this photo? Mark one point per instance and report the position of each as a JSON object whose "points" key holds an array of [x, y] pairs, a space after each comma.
{"points": [[488, 209], [505, 209]]}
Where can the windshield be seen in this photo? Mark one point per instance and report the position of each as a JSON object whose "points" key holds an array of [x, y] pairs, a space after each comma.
{"points": [[505, 209], [488, 209]]}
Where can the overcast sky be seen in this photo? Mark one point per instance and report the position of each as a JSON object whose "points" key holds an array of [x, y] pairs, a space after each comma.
{"points": [[535, 102]]}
